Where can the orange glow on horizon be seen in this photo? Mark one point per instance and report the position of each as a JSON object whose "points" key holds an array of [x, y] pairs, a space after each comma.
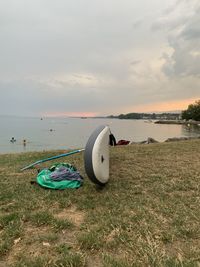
{"points": [[69, 114], [165, 106], [148, 108]]}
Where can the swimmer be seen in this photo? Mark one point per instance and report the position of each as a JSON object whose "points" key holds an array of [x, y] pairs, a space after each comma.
{"points": [[13, 140]]}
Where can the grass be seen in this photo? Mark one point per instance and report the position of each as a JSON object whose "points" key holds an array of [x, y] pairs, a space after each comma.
{"points": [[147, 215]]}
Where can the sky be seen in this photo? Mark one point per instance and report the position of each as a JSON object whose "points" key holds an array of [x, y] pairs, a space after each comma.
{"points": [[98, 57]]}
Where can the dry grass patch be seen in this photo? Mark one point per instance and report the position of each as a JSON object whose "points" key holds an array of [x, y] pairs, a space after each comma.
{"points": [[71, 214], [147, 215], [29, 244]]}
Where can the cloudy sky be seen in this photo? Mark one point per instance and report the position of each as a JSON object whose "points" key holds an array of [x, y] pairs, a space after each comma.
{"points": [[98, 57]]}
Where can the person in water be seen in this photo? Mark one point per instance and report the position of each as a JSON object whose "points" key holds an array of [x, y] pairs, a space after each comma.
{"points": [[13, 140]]}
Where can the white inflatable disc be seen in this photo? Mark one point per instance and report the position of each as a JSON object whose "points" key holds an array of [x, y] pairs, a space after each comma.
{"points": [[96, 156]]}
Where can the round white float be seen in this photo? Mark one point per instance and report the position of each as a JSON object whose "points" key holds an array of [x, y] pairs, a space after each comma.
{"points": [[96, 156]]}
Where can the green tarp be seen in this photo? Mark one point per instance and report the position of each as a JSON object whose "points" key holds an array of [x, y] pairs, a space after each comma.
{"points": [[60, 176]]}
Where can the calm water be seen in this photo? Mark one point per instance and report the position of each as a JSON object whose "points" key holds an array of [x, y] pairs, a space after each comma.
{"points": [[70, 133]]}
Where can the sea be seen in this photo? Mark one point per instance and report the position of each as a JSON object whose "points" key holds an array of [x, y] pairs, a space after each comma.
{"points": [[43, 134]]}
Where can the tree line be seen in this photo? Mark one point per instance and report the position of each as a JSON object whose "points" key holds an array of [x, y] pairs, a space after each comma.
{"points": [[147, 116], [192, 112]]}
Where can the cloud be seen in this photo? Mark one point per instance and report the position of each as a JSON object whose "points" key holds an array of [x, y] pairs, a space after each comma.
{"points": [[137, 24], [99, 57], [191, 30], [182, 26]]}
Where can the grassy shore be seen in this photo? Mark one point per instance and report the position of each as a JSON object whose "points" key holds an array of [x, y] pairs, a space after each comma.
{"points": [[147, 215]]}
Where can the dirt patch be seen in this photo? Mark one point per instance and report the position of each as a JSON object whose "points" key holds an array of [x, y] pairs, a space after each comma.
{"points": [[5, 208], [94, 261], [29, 244], [68, 238], [3, 264], [35, 231], [179, 247], [71, 214], [34, 241], [111, 236]]}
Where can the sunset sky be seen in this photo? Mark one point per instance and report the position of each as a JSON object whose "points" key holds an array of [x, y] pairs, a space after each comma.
{"points": [[98, 57]]}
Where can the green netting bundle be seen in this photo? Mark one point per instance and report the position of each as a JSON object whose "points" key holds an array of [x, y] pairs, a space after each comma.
{"points": [[60, 176]]}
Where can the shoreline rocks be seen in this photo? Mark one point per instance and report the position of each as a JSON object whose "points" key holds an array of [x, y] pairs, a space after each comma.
{"points": [[175, 139], [151, 140]]}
